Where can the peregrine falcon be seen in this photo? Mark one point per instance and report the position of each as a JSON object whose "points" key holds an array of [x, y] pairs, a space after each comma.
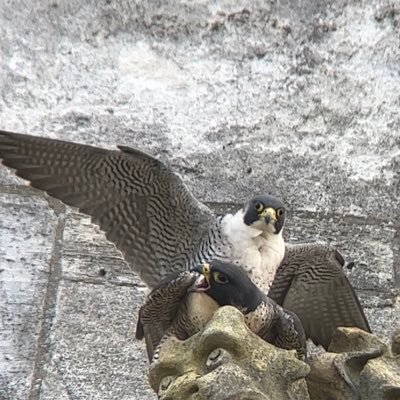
{"points": [[146, 210], [183, 304]]}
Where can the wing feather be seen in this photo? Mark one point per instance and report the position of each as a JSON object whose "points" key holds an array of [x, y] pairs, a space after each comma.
{"points": [[161, 309], [311, 283], [143, 207]]}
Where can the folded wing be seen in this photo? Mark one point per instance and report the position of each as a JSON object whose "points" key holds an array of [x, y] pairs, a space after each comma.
{"points": [[311, 283]]}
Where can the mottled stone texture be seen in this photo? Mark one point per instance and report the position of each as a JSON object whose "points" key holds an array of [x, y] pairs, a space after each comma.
{"points": [[299, 99], [227, 361], [358, 365]]}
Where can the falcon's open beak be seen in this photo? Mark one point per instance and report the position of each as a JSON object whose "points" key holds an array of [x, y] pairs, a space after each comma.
{"points": [[269, 214], [202, 283]]}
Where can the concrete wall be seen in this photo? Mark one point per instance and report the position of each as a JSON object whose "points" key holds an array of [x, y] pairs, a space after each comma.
{"points": [[299, 99]]}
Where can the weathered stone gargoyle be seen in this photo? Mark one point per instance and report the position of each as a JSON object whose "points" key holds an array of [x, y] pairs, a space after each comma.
{"points": [[228, 361], [358, 366]]}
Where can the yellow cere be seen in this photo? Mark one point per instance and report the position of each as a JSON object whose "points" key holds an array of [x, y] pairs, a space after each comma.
{"points": [[206, 271], [269, 211]]}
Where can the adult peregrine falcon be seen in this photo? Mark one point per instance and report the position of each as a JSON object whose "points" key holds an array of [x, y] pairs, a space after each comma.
{"points": [[183, 304], [146, 210]]}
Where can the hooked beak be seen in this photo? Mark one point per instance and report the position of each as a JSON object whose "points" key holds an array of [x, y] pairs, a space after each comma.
{"points": [[206, 271], [269, 214], [202, 283]]}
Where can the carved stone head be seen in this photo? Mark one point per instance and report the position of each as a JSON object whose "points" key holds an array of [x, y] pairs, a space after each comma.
{"points": [[227, 361]]}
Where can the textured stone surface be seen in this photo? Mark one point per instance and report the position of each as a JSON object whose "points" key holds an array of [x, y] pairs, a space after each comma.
{"points": [[297, 99], [26, 243], [358, 365], [227, 361]]}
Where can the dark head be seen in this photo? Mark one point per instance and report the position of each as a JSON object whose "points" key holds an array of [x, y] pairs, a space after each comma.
{"points": [[265, 213], [227, 284]]}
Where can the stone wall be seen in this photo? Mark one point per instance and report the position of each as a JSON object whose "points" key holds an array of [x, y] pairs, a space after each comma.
{"points": [[298, 99]]}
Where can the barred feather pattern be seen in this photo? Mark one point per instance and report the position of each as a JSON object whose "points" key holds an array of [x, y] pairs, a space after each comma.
{"points": [[147, 211], [311, 283], [143, 207]]}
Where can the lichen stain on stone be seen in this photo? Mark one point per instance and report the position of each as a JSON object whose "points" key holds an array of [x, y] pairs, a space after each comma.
{"points": [[228, 361], [243, 366]]}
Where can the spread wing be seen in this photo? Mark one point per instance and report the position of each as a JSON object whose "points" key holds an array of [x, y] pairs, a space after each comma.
{"points": [[311, 283], [161, 308], [142, 206]]}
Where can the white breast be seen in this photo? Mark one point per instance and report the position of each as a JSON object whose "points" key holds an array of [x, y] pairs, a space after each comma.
{"points": [[260, 253], [201, 308]]}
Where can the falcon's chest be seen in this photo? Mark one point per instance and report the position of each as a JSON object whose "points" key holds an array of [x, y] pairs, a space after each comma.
{"points": [[271, 252], [201, 308], [260, 257], [260, 253]]}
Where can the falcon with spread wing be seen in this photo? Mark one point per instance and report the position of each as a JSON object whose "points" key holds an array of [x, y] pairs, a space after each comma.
{"points": [[146, 210]]}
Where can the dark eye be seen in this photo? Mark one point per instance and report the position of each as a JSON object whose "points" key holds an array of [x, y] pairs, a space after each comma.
{"points": [[218, 357], [220, 278], [259, 207], [279, 212]]}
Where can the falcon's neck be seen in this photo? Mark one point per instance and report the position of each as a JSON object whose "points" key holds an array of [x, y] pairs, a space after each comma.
{"points": [[236, 230], [258, 251]]}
